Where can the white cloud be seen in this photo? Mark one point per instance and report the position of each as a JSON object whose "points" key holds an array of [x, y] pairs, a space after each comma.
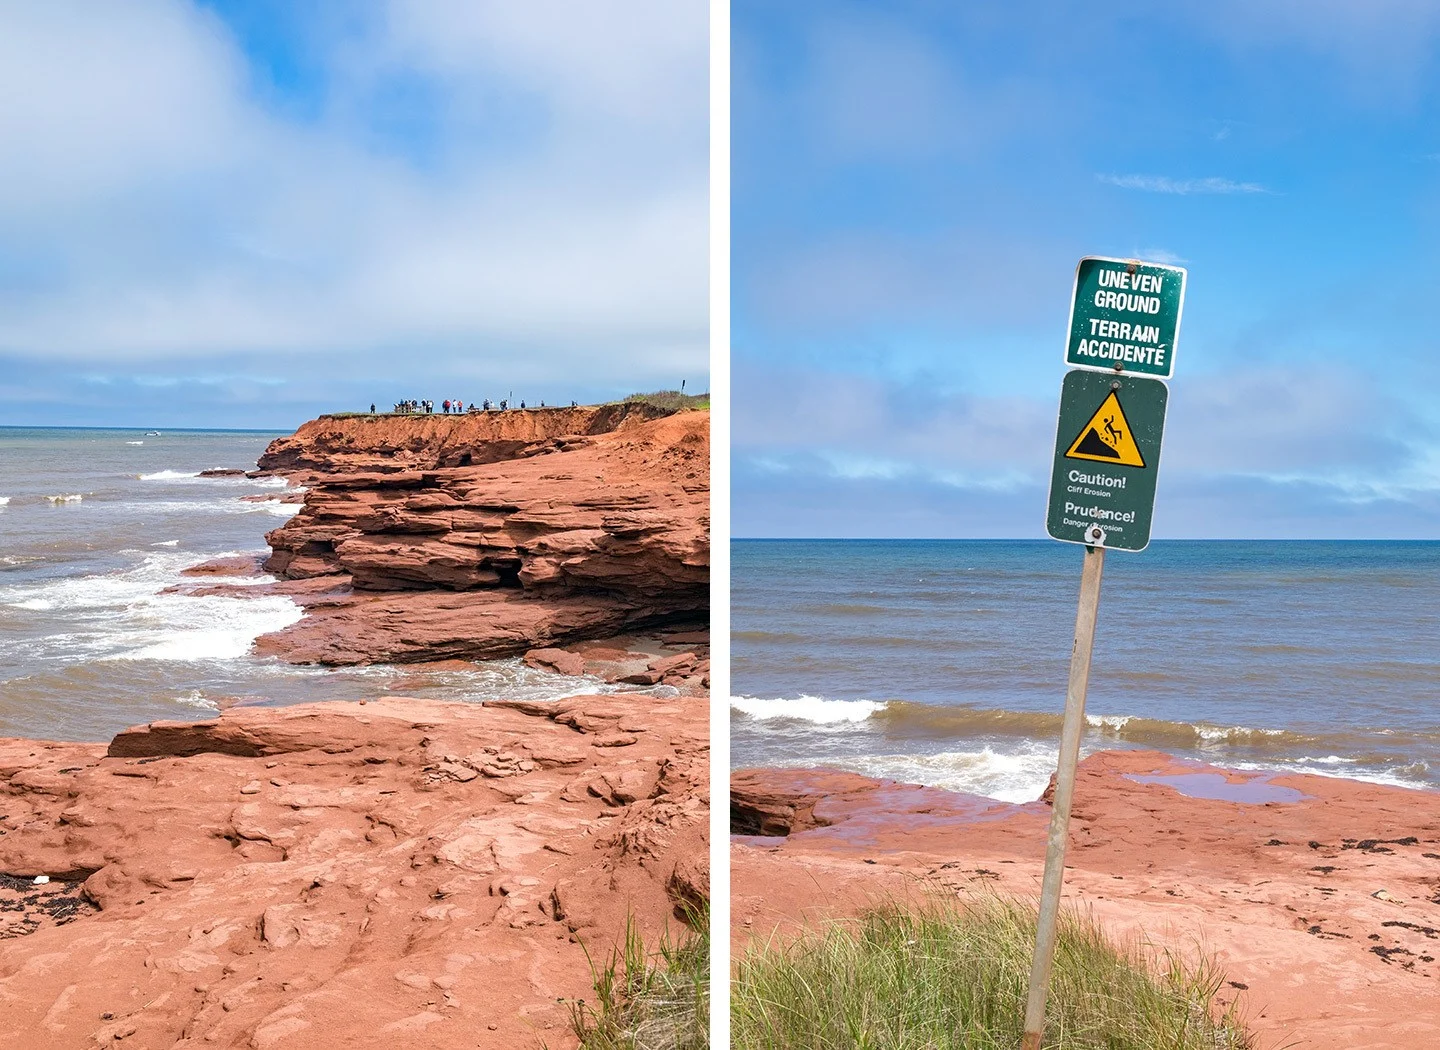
{"points": [[1319, 425], [1165, 184], [1160, 255], [846, 426], [1326, 429], [155, 208]]}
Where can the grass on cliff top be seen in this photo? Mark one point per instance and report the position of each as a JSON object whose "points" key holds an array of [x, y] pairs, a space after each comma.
{"points": [[674, 400], [938, 976], [650, 1000]]}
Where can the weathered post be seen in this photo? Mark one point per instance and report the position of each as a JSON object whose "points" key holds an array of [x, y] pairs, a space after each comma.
{"points": [[1070, 732], [1124, 320]]}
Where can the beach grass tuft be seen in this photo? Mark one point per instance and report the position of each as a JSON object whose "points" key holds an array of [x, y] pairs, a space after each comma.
{"points": [[650, 999], [674, 400], [939, 975]]}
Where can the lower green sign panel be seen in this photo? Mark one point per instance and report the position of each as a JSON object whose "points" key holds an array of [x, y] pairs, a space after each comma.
{"points": [[1107, 457]]}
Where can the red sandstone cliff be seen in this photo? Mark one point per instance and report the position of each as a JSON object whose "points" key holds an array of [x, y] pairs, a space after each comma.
{"points": [[385, 443], [400, 872], [555, 529]]}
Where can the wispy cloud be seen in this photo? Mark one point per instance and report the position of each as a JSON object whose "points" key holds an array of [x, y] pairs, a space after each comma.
{"points": [[1182, 187], [1160, 255]]}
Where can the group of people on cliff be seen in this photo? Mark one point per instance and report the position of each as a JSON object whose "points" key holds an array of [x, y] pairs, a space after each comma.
{"points": [[450, 407]]}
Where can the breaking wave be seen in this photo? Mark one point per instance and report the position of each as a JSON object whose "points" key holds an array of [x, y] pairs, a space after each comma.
{"points": [[926, 734], [128, 615], [814, 709], [1013, 775]]}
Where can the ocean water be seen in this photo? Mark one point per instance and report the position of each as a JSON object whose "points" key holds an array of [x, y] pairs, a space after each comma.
{"points": [[945, 662], [96, 526]]}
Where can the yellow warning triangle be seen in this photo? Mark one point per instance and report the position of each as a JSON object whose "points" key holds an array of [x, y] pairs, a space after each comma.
{"points": [[1107, 438]]}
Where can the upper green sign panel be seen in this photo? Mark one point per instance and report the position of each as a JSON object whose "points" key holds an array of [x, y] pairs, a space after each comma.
{"points": [[1125, 315]]}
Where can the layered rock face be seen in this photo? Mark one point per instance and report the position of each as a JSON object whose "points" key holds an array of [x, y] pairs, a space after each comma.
{"points": [[554, 530], [398, 873], [388, 443]]}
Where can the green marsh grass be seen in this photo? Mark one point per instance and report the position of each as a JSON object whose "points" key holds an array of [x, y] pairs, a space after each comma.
{"points": [[939, 975]]}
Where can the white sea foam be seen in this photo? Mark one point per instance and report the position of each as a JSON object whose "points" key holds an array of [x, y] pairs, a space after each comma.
{"points": [[166, 543], [1323, 768], [233, 505], [489, 680], [814, 709], [212, 628], [1018, 775], [1114, 723], [126, 615], [134, 442], [1226, 734], [74, 497], [4, 500], [195, 698], [194, 478]]}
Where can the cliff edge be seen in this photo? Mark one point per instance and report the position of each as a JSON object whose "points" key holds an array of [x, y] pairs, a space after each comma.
{"points": [[425, 538]]}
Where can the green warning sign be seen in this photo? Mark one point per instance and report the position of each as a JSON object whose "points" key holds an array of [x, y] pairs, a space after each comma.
{"points": [[1107, 456], [1125, 314]]}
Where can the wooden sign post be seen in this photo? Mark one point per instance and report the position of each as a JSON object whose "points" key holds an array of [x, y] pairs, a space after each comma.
{"points": [[1070, 731], [1102, 494]]}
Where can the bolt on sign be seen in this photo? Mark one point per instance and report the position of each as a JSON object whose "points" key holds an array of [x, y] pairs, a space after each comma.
{"points": [[1107, 456], [1125, 314]]}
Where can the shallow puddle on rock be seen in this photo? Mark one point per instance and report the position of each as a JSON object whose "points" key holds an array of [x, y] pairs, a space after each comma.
{"points": [[1255, 791]]}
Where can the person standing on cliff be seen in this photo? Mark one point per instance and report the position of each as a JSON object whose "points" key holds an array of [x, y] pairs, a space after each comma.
{"points": [[372, 408]]}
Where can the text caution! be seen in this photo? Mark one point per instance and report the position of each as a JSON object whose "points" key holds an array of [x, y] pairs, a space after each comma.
{"points": [[1118, 421]]}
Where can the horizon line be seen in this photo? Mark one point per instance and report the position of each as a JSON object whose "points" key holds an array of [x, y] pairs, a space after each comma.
{"points": [[1048, 539], [172, 429]]}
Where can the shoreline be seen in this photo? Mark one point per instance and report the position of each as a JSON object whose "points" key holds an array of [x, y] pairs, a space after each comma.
{"points": [[1280, 886], [375, 871]]}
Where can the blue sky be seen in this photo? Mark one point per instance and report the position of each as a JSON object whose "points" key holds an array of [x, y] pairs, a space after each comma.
{"points": [[914, 182], [242, 214]]}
